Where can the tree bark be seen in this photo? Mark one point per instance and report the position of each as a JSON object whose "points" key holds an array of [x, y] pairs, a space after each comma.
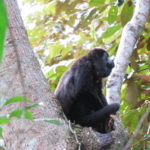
{"points": [[20, 75]]}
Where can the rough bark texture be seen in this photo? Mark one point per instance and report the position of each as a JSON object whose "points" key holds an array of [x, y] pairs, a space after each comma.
{"points": [[20, 75], [129, 37]]}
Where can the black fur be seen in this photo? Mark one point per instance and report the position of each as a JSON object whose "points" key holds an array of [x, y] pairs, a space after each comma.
{"points": [[80, 90]]}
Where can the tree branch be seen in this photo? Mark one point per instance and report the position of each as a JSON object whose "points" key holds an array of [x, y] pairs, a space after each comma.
{"points": [[129, 37]]}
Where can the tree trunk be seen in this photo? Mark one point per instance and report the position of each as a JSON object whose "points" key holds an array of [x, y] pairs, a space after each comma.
{"points": [[20, 75]]}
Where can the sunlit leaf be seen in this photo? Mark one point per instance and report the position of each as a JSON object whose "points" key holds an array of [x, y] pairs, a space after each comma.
{"points": [[112, 1], [110, 31], [61, 6], [112, 14], [72, 20], [66, 50], [55, 49], [90, 13], [112, 38], [127, 12], [61, 69], [51, 74], [50, 8], [97, 3]]}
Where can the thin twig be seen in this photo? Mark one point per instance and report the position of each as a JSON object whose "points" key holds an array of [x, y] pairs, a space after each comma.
{"points": [[75, 135], [145, 139]]}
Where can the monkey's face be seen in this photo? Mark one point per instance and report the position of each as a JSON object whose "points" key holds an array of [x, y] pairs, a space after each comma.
{"points": [[103, 64], [109, 66]]}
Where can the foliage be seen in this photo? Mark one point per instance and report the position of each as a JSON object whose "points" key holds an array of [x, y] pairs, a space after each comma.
{"points": [[62, 31], [3, 27], [14, 100], [22, 112], [17, 113]]}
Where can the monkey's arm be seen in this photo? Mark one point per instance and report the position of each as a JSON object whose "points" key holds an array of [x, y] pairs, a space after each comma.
{"points": [[99, 116]]}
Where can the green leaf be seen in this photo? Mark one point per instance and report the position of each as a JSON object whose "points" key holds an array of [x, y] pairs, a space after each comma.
{"points": [[61, 69], [130, 119], [112, 1], [14, 100], [127, 12], [55, 49], [113, 37], [97, 3], [28, 115], [56, 122], [66, 50], [3, 27], [112, 14], [110, 31], [31, 106], [16, 113], [51, 74], [4, 120], [50, 8], [1, 130], [90, 13]]}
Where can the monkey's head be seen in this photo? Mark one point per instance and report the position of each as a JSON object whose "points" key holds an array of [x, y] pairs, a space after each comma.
{"points": [[101, 62]]}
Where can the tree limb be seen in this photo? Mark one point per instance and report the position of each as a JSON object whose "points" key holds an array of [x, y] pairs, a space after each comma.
{"points": [[129, 37]]}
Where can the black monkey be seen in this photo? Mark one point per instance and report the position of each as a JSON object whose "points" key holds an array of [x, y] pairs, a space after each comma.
{"points": [[80, 90]]}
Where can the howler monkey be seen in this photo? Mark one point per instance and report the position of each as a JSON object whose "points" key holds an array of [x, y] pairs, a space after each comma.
{"points": [[80, 90]]}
